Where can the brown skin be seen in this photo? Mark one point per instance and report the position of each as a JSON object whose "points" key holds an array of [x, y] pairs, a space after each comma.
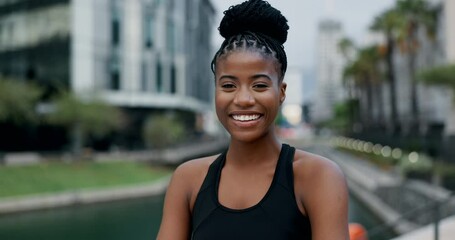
{"points": [[249, 83]]}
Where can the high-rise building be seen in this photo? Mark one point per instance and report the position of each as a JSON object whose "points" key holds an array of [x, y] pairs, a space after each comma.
{"points": [[330, 63], [143, 53], [140, 55]]}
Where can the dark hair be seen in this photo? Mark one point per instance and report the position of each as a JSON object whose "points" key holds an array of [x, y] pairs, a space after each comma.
{"points": [[254, 24]]}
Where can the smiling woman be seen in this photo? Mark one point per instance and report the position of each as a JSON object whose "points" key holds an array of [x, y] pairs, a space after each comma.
{"points": [[248, 94], [259, 188]]}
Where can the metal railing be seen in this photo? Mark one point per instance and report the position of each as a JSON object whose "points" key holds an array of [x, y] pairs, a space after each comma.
{"points": [[433, 208]]}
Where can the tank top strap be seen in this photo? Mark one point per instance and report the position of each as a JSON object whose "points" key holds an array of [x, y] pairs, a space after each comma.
{"points": [[285, 168], [212, 173], [205, 202]]}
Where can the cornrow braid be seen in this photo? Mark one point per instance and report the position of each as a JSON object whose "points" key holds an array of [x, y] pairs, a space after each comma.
{"points": [[254, 25], [256, 41]]}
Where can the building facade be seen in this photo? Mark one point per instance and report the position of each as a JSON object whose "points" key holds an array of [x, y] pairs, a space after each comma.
{"points": [[143, 53], [144, 56]]}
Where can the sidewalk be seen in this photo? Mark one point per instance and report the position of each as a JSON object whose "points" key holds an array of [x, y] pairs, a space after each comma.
{"points": [[364, 178], [446, 231]]}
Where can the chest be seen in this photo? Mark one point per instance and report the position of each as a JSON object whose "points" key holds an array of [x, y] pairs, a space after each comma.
{"points": [[240, 190]]}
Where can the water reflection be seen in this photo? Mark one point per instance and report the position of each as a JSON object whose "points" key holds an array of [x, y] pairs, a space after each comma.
{"points": [[133, 219]]}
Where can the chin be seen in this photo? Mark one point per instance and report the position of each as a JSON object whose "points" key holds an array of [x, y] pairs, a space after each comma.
{"points": [[247, 137]]}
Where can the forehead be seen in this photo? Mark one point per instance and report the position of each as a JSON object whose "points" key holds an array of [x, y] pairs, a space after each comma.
{"points": [[246, 62]]}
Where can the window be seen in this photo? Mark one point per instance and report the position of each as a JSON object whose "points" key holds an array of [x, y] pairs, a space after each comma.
{"points": [[115, 32], [115, 80], [170, 37], [173, 79], [114, 77], [159, 77], [115, 24], [148, 30], [1, 34], [144, 77]]}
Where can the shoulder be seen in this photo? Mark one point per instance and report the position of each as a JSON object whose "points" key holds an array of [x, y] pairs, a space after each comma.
{"points": [[314, 168], [317, 181], [189, 176], [194, 167], [321, 191]]}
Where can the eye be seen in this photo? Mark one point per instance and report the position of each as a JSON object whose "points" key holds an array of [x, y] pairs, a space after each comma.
{"points": [[227, 85], [261, 85]]}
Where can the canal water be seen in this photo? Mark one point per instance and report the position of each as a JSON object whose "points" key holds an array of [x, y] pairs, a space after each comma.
{"points": [[137, 219]]}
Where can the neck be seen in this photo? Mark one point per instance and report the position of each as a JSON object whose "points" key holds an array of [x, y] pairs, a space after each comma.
{"points": [[259, 151]]}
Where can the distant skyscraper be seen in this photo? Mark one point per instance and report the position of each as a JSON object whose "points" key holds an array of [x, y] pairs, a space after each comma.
{"points": [[330, 63]]}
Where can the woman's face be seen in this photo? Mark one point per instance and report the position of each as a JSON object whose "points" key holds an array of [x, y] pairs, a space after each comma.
{"points": [[248, 94]]}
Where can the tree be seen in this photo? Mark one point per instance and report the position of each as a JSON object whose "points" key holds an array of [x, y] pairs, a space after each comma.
{"points": [[416, 14], [84, 118], [389, 23], [163, 130], [348, 49], [365, 74], [439, 75], [18, 101], [442, 76]]}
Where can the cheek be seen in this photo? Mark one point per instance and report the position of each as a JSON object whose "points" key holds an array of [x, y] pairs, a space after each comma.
{"points": [[219, 105]]}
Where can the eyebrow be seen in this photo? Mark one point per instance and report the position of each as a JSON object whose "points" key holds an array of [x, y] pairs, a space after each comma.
{"points": [[254, 77], [261, 75]]}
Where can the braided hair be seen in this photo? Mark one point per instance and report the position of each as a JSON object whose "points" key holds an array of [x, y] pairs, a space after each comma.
{"points": [[254, 25]]}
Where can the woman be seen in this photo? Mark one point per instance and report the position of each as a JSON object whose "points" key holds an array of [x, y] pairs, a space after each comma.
{"points": [[258, 188]]}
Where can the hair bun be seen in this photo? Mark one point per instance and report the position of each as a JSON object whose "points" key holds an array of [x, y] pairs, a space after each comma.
{"points": [[255, 16]]}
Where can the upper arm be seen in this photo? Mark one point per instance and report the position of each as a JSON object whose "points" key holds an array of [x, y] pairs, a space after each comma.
{"points": [[175, 223], [326, 201]]}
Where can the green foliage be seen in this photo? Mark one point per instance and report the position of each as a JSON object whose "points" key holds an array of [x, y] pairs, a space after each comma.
{"points": [[94, 117], [365, 66], [18, 101], [415, 13], [343, 116], [163, 130], [439, 75], [390, 22], [346, 47]]}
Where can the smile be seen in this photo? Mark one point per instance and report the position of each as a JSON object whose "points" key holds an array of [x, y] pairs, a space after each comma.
{"points": [[246, 118]]}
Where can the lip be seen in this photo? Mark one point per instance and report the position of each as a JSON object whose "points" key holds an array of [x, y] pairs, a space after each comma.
{"points": [[245, 113], [245, 124]]}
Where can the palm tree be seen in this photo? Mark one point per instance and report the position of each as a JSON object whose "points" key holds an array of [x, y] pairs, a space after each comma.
{"points": [[416, 14], [365, 74], [389, 23], [347, 48]]}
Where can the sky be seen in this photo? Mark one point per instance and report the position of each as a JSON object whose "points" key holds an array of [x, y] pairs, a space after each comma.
{"points": [[303, 17]]}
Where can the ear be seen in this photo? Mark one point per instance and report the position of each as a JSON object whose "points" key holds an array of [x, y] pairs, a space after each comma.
{"points": [[283, 86]]}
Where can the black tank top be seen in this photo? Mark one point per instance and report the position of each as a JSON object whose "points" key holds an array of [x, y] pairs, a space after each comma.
{"points": [[276, 216]]}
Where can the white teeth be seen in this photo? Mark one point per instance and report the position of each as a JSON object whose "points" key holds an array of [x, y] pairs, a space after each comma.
{"points": [[246, 117]]}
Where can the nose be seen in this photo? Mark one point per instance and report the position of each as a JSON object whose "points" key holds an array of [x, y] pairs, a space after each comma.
{"points": [[244, 98]]}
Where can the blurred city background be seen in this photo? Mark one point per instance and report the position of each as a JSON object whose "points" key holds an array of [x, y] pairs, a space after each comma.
{"points": [[101, 99]]}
